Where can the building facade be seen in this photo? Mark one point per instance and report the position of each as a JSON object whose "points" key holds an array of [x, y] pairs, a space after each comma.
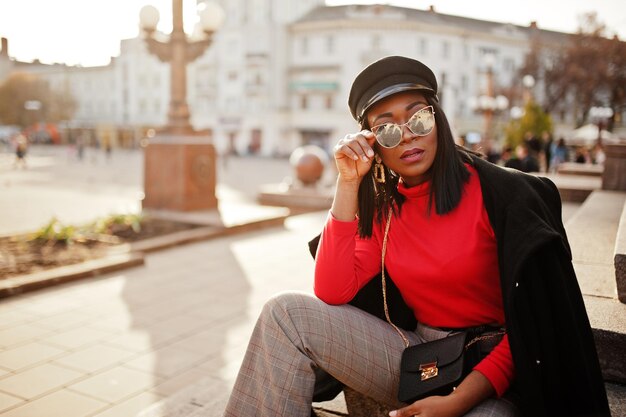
{"points": [[278, 73]]}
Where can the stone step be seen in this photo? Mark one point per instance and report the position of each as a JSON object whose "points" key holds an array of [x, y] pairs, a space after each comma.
{"points": [[620, 258], [608, 322], [592, 233], [594, 239], [575, 188]]}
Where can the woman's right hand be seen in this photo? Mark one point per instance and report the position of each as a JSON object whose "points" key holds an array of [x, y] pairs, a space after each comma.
{"points": [[354, 155]]}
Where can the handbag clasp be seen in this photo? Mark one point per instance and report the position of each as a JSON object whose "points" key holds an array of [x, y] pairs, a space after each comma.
{"points": [[429, 370]]}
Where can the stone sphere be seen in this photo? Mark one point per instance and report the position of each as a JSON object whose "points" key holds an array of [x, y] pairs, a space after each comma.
{"points": [[308, 163]]}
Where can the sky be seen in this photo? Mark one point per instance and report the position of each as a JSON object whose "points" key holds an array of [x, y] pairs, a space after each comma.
{"points": [[88, 32]]}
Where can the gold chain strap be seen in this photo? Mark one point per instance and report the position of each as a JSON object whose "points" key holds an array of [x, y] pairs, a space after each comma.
{"points": [[484, 337], [384, 251]]}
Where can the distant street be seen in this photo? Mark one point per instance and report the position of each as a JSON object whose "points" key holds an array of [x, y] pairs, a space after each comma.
{"points": [[57, 183]]}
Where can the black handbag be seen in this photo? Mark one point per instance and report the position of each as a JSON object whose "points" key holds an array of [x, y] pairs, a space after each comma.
{"points": [[432, 368], [438, 366]]}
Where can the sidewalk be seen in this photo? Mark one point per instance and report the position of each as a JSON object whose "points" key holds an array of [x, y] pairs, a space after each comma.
{"points": [[111, 346]]}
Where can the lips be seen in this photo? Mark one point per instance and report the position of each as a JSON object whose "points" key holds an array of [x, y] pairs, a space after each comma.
{"points": [[412, 154]]}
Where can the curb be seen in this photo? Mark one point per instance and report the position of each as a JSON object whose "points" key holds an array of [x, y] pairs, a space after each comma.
{"points": [[125, 256], [54, 276]]}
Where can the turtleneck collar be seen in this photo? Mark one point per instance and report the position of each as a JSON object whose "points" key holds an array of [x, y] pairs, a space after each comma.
{"points": [[419, 190]]}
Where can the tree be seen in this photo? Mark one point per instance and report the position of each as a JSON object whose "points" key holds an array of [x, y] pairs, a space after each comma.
{"points": [[20, 91], [590, 70], [533, 120]]}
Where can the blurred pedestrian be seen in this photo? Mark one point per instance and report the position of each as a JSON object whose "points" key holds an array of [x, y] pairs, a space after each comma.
{"points": [[505, 155], [523, 161], [582, 155], [533, 144], [598, 154], [21, 148], [107, 149], [80, 147], [559, 154], [548, 143]]}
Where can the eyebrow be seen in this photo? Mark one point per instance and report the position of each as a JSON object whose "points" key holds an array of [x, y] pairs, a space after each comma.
{"points": [[408, 107]]}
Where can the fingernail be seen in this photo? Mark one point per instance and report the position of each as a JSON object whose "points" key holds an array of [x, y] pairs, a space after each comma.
{"points": [[392, 413], [370, 152], [364, 158], [355, 157]]}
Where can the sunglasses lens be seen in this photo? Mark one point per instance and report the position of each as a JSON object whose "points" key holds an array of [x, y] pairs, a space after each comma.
{"points": [[389, 135], [422, 122]]}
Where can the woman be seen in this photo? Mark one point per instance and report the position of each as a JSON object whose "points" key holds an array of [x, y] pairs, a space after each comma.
{"points": [[468, 244]]}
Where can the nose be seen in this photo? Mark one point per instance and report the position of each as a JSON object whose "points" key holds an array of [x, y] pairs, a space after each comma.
{"points": [[407, 135]]}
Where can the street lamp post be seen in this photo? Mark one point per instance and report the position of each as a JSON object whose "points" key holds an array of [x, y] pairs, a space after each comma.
{"points": [[179, 51], [601, 115], [529, 82], [180, 173], [489, 104]]}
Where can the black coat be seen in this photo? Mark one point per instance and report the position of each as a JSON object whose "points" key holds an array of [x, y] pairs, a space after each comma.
{"points": [[556, 365]]}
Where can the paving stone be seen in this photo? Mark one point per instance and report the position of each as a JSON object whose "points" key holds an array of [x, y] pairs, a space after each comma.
{"points": [[60, 403]]}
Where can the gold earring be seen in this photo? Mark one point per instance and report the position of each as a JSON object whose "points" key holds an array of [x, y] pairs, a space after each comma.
{"points": [[379, 170]]}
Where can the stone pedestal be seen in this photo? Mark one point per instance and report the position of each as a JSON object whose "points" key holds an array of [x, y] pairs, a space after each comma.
{"points": [[180, 174], [614, 175]]}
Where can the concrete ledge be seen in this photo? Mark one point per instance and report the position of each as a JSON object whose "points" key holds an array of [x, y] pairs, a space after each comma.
{"points": [[26, 283], [617, 399], [573, 168], [361, 406], [592, 233], [620, 258], [575, 188], [299, 198], [608, 321]]}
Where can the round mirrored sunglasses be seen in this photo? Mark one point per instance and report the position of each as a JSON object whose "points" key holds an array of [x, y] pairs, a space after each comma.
{"points": [[389, 135]]}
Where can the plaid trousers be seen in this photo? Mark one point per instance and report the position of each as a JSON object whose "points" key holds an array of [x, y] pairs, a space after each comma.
{"points": [[297, 335]]}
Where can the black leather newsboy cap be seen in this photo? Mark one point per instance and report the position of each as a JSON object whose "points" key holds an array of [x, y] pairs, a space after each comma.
{"points": [[387, 76]]}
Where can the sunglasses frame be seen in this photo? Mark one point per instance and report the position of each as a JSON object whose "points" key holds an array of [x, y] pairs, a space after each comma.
{"points": [[401, 126]]}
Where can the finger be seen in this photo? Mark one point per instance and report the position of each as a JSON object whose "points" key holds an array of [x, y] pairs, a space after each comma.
{"points": [[365, 145], [369, 136], [404, 412], [351, 147], [347, 151]]}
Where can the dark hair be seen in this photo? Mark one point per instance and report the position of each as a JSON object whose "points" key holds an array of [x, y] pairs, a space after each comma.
{"points": [[448, 174]]}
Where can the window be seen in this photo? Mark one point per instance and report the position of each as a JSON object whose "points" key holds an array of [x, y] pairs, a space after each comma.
{"points": [[488, 51], [445, 49], [464, 82], [509, 64], [142, 106], [330, 44], [304, 45]]}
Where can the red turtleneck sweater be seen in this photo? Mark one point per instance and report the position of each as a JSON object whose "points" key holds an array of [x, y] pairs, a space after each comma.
{"points": [[446, 267]]}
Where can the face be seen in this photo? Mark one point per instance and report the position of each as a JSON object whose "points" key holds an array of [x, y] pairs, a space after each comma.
{"points": [[413, 158]]}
